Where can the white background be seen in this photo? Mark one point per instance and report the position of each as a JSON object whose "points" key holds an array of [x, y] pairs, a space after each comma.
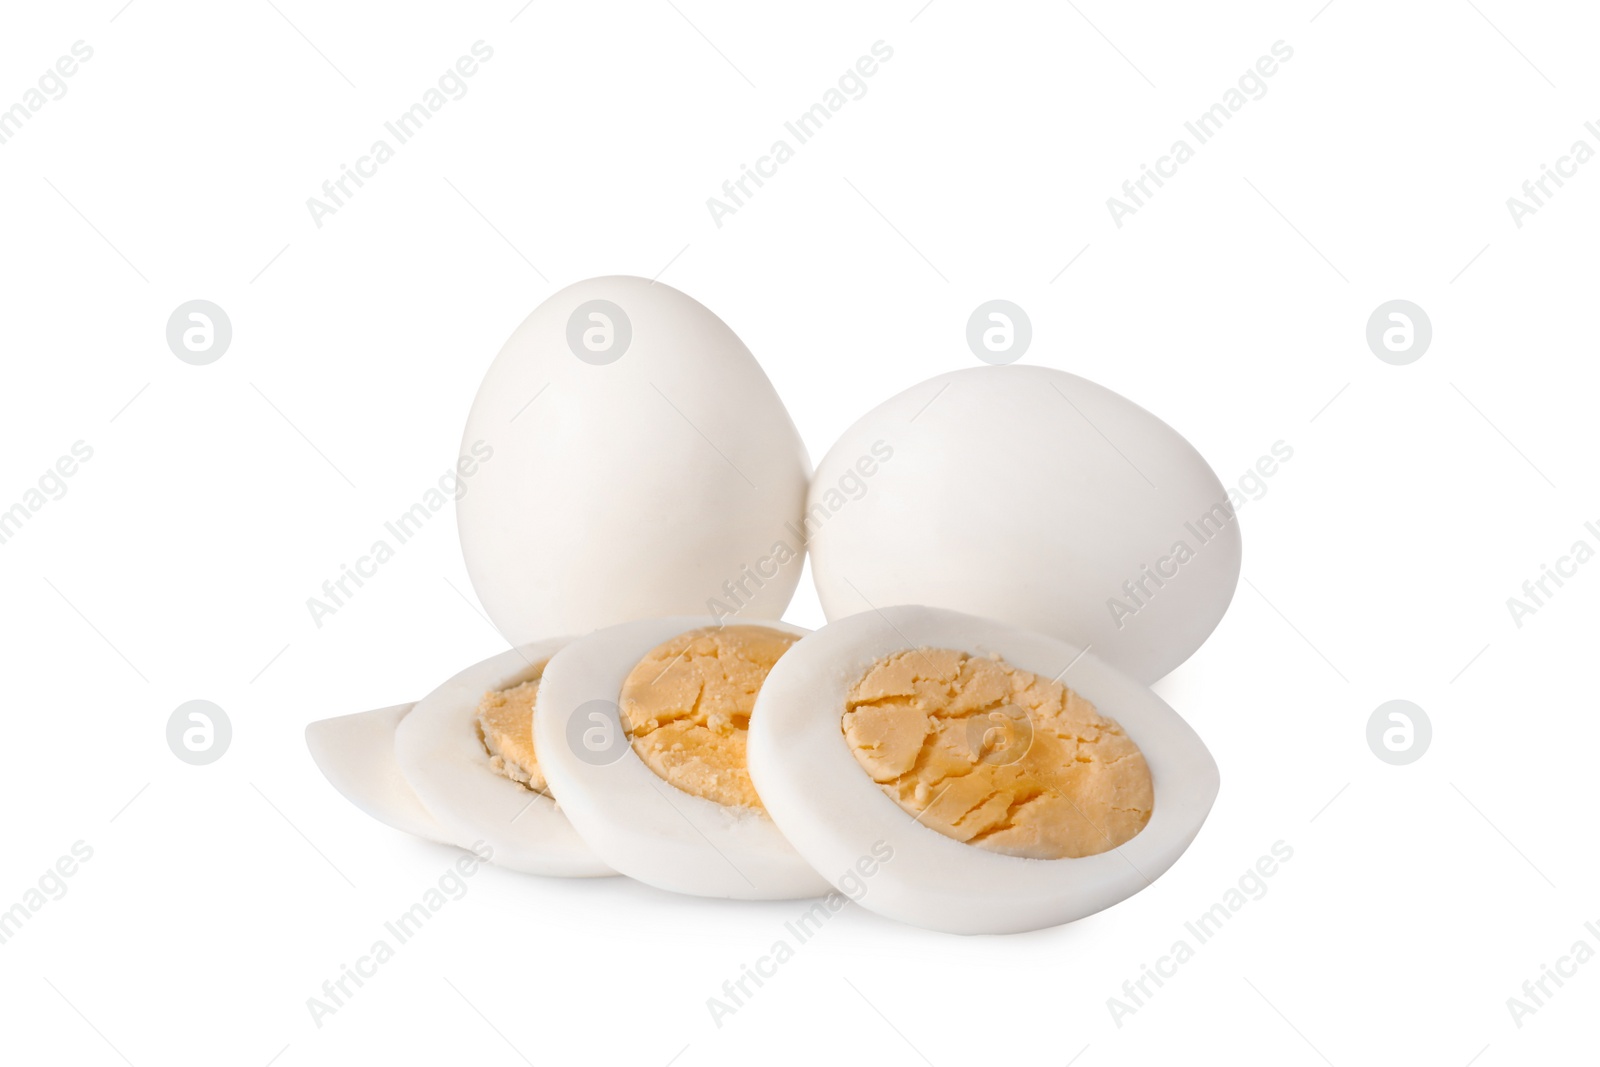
{"points": [[978, 164]]}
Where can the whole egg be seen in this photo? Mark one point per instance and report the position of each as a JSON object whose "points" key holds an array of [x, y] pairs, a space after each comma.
{"points": [[628, 459], [1035, 497]]}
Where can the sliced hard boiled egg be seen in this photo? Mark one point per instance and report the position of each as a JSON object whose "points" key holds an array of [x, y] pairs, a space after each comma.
{"points": [[965, 775], [356, 754], [641, 730], [467, 751]]}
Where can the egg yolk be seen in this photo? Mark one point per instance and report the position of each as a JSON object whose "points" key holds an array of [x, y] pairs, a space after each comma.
{"points": [[505, 725], [997, 757], [687, 704]]}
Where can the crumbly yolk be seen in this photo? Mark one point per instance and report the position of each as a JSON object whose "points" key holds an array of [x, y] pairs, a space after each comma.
{"points": [[997, 757], [687, 707], [505, 724]]}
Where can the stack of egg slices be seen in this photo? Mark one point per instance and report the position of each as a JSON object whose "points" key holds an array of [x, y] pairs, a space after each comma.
{"points": [[1007, 556]]}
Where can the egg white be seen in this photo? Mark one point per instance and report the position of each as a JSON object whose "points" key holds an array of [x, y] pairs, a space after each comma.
{"points": [[637, 822], [438, 749], [356, 754], [841, 820]]}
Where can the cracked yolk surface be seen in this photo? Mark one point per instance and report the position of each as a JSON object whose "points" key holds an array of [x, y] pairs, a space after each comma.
{"points": [[505, 724], [997, 757], [687, 707]]}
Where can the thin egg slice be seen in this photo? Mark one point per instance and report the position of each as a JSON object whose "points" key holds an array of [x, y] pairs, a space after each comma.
{"points": [[641, 731], [472, 765], [965, 775], [356, 754]]}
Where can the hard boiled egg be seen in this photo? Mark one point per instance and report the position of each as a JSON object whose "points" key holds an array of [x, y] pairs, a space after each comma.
{"points": [[356, 754], [966, 775], [630, 460], [467, 751], [1033, 496], [641, 728]]}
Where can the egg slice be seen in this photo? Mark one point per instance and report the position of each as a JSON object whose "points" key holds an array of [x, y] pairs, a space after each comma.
{"points": [[475, 767], [356, 754], [641, 730], [965, 775], [1035, 497], [619, 416]]}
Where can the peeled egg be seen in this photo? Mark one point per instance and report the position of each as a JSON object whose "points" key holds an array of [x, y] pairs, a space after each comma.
{"points": [[1033, 496], [444, 752], [356, 754], [628, 459], [640, 729], [966, 775]]}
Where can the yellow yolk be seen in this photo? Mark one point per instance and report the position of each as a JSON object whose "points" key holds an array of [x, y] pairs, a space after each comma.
{"points": [[687, 707], [997, 757], [505, 723]]}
